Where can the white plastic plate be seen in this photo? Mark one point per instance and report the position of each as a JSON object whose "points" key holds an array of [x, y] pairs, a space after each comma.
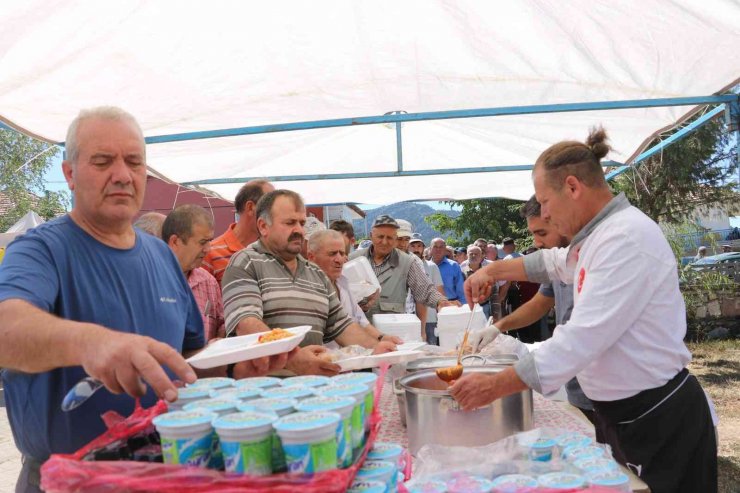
{"points": [[243, 348], [410, 346], [360, 362]]}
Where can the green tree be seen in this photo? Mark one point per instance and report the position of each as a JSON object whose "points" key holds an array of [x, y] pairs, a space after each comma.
{"points": [[492, 219], [694, 172], [23, 162]]}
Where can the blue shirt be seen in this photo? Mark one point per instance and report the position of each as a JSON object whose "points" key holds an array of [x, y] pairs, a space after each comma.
{"points": [[453, 280], [61, 269]]}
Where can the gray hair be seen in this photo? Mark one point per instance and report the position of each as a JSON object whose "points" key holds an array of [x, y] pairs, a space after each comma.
{"points": [[180, 221], [316, 241], [265, 204], [151, 223], [103, 112], [473, 248], [438, 240]]}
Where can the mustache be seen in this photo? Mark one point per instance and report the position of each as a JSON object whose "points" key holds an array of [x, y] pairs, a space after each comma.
{"points": [[295, 236]]}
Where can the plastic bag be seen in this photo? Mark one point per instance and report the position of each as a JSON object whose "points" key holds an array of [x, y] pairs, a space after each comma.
{"points": [[64, 473], [505, 344], [532, 454]]}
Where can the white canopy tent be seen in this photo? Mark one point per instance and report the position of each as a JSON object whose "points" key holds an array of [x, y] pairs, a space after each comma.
{"points": [[194, 67], [29, 221]]}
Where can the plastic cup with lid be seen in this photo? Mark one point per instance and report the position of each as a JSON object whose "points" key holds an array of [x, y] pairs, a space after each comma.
{"points": [[575, 453], [213, 383], [391, 452], [243, 394], [513, 482], [309, 441], [261, 382], [427, 486], [561, 481], [246, 442], [312, 381], [595, 464], [360, 486], [220, 407], [297, 392], [613, 479], [343, 406], [364, 378], [379, 470], [357, 392], [186, 436], [186, 396], [281, 407], [572, 439], [469, 484], [541, 449]]}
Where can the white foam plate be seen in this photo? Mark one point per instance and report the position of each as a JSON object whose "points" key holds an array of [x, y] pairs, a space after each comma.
{"points": [[410, 346], [243, 348], [395, 357]]}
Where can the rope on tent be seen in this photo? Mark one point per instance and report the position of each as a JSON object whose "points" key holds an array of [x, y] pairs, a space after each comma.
{"points": [[174, 204], [34, 157]]}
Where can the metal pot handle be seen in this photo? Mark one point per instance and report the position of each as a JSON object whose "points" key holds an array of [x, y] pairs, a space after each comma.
{"points": [[450, 404], [480, 359]]}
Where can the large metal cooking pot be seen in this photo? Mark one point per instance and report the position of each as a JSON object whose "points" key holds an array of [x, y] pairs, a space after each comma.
{"points": [[433, 362], [434, 417]]}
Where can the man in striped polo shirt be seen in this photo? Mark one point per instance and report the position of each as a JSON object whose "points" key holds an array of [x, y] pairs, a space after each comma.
{"points": [[270, 285], [241, 234]]}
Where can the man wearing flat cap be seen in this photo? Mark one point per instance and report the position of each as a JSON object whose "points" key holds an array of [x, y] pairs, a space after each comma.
{"points": [[397, 271]]}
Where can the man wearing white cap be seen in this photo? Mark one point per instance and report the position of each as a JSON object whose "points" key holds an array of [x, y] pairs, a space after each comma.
{"points": [[416, 247]]}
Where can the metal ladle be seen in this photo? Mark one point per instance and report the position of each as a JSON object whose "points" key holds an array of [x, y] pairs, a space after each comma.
{"points": [[451, 373]]}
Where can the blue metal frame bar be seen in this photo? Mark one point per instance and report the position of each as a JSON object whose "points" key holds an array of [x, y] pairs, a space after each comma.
{"points": [[667, 142], [377, 174], [445, 115], [399, 148]]}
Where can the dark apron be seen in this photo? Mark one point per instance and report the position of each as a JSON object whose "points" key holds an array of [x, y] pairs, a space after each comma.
{"points": [[29, 479], [664, 435]]}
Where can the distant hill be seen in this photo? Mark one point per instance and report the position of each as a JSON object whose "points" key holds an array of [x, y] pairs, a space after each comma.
{"points": [[410, 211]]}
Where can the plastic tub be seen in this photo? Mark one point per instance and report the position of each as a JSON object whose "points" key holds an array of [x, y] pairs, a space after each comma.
{"points": [[364, 378], [428, 486], [561, 481], [614, 480], [186, 396], [541, 449], [357, 392], [343, 406], [573, 454], [309, 441], [311, 381], [595, 464], [387, 451], [281, 407], [261, 382], [367, 487], [469, 484], [212, 383], [513, 482], [379, 470], [221, 407], [246, 442], [187, 437], [568, 440], [240, 394], [297, 392]]}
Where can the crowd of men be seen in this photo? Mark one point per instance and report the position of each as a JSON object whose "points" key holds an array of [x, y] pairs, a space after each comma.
{"points": [[93, 293]]}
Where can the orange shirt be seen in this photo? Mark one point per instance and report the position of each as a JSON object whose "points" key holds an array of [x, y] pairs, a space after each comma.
{"points": [[222, 248]]}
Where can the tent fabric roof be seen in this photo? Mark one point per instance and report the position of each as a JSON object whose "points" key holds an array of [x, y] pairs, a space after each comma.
{"points": [[230, 63], [29, 221]]}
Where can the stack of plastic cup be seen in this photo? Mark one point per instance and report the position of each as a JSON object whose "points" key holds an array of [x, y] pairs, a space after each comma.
{"points": [[186, 396], [364, 378], [213, 383], [246, 442], [220, 407], [281, 407], [389, 452], [297, 392], [309, 441], [186, 436], [357, 392], [343, 406], [379, 470], [313, 381], [259, 382]]}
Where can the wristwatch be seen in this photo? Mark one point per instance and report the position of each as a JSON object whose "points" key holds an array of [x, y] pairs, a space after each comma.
{"points": [[380, 337]]}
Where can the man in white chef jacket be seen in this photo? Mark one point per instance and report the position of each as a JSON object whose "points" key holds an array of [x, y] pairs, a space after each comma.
{"points": [[624, 339]]}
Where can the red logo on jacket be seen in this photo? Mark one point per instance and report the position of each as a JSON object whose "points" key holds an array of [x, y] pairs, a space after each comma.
{"points": [[581, 277]]}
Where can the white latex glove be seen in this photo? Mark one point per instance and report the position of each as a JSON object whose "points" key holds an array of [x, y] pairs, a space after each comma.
{"points": [[482, 337]]}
